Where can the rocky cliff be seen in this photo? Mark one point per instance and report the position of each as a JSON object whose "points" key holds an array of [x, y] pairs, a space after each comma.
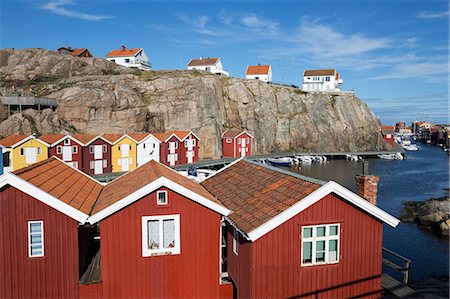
{"points": [[95, 96]]}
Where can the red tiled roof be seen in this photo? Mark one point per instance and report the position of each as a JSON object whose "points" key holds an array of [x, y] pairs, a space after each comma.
{"points": [[256, 193], [257, 70], [231, 134], [77, 52], [387, 129], [203, 61], [123, 53], [62, 182], [162, 136], [10, 140], [51, 138], [141, 176], [84, 138], [319, 72], [112, 137], [139, 136]]}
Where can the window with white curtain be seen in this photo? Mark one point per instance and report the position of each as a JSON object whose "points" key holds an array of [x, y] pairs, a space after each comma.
{"points": [[160, 235], [320, 244]]}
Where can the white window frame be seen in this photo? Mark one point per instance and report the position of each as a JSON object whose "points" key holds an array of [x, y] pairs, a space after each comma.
{"points": [[91, 149], [105, 163], [30, 254], [146, 252], [160, 203], [59, 149], [104, 148], [39, 150], [67, 141], [91, 164], [327, 238], [74, 149], [228, 140], [235, 242]]}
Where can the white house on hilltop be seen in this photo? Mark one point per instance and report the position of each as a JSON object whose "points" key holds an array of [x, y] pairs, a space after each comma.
{"points": [[212, 65], [130, 58], [259, 72], [321, 80]]}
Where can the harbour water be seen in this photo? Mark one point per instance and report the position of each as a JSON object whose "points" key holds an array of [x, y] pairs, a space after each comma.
{"points": [[424, 174]]}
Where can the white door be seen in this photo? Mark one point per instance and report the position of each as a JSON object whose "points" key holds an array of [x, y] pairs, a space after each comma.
{"points": [[30, 155], [243, 148], [125, 148], [98, 166], [125, 164], [171, 147], [172, 159], [98, 152], [190, 156], [67, 153]]}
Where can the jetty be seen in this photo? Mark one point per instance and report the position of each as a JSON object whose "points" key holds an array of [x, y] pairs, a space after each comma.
{"points": [[21, 102]]}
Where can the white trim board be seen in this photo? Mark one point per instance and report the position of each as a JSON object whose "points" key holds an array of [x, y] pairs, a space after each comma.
{"points": [[149, 188], [330, 187], [42, 196]]}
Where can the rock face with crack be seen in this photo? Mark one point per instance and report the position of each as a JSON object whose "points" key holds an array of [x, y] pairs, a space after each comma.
{"points": [[96, 96]]}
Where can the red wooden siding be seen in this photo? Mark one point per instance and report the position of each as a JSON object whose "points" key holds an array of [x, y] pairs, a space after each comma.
{"points": [[164, 151], [88, 157], [232, 150], [78, 157], [183, 150], [194, 273], [239, 265], [228, 148], [276, 265], [53, 276]]}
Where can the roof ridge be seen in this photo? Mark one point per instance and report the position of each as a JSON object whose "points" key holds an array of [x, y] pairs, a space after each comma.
{"points": [[287, 172]]}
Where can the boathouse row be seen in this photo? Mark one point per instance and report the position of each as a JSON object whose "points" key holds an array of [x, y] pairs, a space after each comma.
{"points": [[248, 231]]}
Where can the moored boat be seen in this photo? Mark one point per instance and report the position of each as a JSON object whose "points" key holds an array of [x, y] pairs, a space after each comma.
{"points": [[285, 161]]}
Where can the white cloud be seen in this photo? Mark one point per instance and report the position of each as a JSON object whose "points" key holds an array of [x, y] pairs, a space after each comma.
{"points": [[432, 15], [58, 7]]}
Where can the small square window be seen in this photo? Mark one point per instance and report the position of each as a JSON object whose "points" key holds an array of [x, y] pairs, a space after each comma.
{"points": [[59, 149], [39, 150], [67, 141], [160, 235], [127, 60], [161, 198], [91, 150], [228, 140], [104, 148], [74, 149], [320, 244]]}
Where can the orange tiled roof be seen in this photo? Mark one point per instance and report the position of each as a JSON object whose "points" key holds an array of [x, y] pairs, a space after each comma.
{"points": [[112, 137], [139, 136], [63, 182], [123, 53], [319, 72], [162, 136], [141, 176], [257, 70], [203, 61], [387, 128], [231, 134], [51, 138], [84, 138], [77, 52], [180, 134], [12, 139], [256, 193]]}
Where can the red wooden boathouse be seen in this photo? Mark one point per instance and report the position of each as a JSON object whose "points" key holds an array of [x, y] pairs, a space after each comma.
{"points": [[178, 147], [66, 148], [189, 147], [236, 144], [96, 153]]}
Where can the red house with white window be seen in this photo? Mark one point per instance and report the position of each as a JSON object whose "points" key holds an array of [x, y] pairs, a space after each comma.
{"points": [[236, 144], [178, 147], [66, 148], [153, 233], [388, 133], [189, 147], [96, 153]]}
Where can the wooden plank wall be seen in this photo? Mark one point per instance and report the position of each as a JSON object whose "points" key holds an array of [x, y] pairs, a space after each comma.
{"points": [[53, 276]]}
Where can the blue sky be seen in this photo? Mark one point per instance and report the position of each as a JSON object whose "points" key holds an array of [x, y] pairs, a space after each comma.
{"points": [[394, 54]]}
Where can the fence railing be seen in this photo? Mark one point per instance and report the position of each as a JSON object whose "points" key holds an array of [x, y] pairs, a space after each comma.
{"points": [[403, 267]]}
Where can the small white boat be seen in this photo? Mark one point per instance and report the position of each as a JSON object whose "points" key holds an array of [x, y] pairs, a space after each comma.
{"points": [[411, 147], [396, 156], [285, 161], [303, 159], [319, 159], [350, 157]]}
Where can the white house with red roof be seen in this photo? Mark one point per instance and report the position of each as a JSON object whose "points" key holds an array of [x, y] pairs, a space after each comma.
{"points": [[259, 72], [212, 65], [135, 57], [321, 80]]}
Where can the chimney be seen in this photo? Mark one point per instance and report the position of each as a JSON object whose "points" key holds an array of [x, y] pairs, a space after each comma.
{"points": [[123, 48], [367, 185]]}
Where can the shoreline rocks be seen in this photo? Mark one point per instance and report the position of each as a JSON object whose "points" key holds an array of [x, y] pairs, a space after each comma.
{"points": [[432, 214]]}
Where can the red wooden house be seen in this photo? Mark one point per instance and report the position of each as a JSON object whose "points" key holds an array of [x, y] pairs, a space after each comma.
{"points": [[388, 133], [66, 148], [236, 144], [96, 154], [291, 236], [188, 151], [160, 235]]}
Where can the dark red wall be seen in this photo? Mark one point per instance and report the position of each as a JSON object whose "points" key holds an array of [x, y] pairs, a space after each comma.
{"points": [[228, 148], [231, 150], [164, 150], [87, 157], [239, 266], [276, 270], [53, 276], [75, 157], [192, 274], [182, 159]]}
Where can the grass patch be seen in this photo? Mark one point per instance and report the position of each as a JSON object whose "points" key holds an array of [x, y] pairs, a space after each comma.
{"points": [[110, 72], [299, 91]]}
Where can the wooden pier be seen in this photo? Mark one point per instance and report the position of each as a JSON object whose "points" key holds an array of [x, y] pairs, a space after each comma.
{"points": [[396, 287], [27, 101]]}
